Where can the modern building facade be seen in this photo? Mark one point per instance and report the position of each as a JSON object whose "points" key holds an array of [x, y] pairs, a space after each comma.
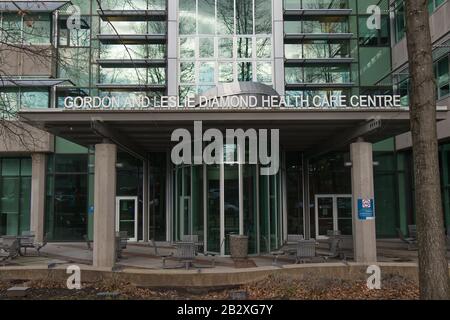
{"points": [[75, 173]]}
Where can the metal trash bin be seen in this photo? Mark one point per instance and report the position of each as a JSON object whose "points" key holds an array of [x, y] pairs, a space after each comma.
{"points": [[238, 246]]}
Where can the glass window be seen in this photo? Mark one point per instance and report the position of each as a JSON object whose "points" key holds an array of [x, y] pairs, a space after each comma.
{"points": [[225, 17], [263, 17], [37, 28], [123, 51], [15, 195], [10, 167], [11, 28], [226, 48], [71, 163], [187, 48], [123, 75], [187, 72], [264, 72], [293, 51], [187, 16], [226, 72], [244, 17], [325, 25], [123, 27], [244, 49], [124, 4], [206, 47], [442, 74], [206, 17], [323, 4], [34, 98], [375, 37], [77, 67], [326, 74], [263, 48], [206, 72], [399, 22], [245, 71], [294, 75]]}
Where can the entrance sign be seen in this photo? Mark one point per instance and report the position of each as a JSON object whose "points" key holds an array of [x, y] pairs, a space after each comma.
{"points": [[143, 102], [366, 209]]}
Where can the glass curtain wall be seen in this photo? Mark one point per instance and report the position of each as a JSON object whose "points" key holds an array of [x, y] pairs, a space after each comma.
{"points": [[216, 201], [15, 195], [67, 196], [80, 50], [347, 37], [224, 41], [157, 197]]}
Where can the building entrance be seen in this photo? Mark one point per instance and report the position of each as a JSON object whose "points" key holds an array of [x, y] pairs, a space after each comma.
{"points": [[126, 216], [333, 213]]}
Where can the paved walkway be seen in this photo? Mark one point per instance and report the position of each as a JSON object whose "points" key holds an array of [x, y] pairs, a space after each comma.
{"points": [[142, 256]]}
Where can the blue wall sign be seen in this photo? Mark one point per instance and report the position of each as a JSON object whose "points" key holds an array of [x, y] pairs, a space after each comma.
{"points": [[366, 210], [91, 210]]}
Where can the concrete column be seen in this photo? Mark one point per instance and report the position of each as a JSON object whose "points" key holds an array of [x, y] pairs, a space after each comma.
{"points": [[278, 44], [172, 47], [364, 236], [145, 200], [105, 205], [37, 214]]}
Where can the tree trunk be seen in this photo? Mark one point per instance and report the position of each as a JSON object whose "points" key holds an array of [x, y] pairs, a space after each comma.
{"points": [[433, 266]]}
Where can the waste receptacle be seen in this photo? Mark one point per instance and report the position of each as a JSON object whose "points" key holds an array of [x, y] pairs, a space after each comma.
{"points": [[238, 246]]}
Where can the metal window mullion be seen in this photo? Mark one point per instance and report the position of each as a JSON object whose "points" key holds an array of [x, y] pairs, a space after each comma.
{"points": [[241, 160], [205, 208], [222, 208], [258, 237]]}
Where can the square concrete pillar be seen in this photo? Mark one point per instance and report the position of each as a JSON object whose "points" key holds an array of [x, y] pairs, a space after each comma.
{"points": [[364, 236], [105, 205], [37, 214]]}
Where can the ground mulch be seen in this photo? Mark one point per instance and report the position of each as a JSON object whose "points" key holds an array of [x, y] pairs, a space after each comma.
{"points": [[273, 287]]}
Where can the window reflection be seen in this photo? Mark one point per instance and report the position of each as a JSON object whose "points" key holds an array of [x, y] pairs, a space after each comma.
{"points": [[238, 46]]}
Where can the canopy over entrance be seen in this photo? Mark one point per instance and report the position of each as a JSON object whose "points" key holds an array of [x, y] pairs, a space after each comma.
{"points": [[311, 131]]}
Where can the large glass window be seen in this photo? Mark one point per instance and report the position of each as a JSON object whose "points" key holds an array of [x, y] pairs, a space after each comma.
{"points": [[12, 99], [226, 41], [399, 22], [15, 195], [319, 74], [318, 49], [315, 4], [133, 4], [67, 197], [27, 28]]}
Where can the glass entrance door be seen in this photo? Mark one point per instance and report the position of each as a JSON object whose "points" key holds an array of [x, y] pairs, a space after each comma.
{"points": [[333, 212], [126, 216]]}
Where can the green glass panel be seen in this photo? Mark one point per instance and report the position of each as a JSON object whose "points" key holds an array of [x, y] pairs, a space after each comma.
{"points": [[9, 205], [25, 204], [10, 167], [231, 206], [64, 146], [25, 167], [213, 209], [250, 206], [37, 28]]}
